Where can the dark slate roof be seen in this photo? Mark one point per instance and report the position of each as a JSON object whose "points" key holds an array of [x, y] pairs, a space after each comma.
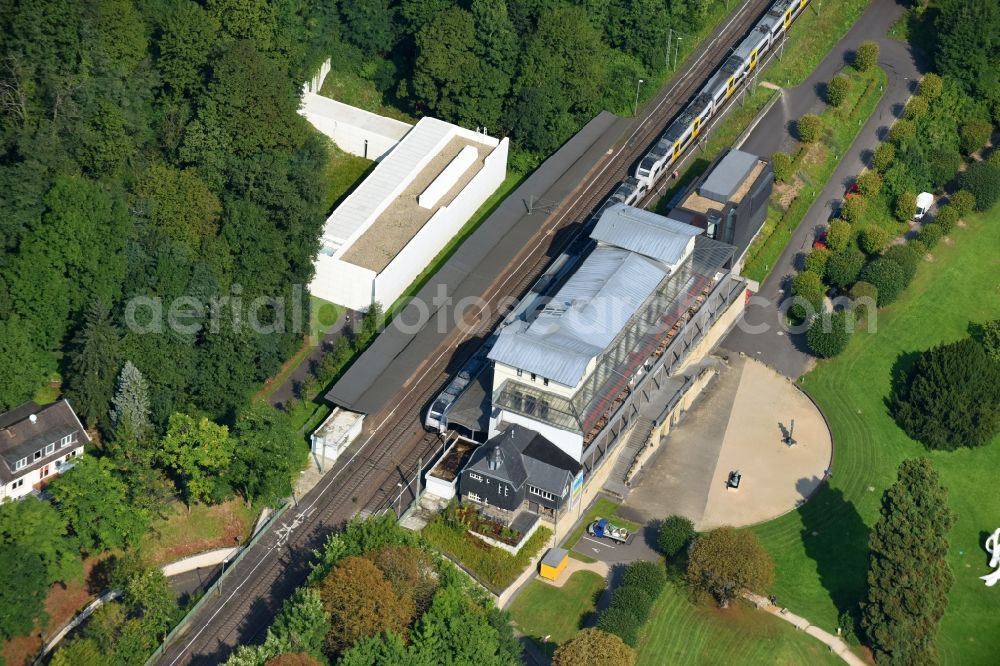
{"points": [[526, 456], [20, 438]]}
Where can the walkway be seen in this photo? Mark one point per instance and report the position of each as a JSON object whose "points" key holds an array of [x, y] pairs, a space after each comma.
{"points": [[287, 391], [572, 566], [737, 424], [787, 353], [836, 644]]}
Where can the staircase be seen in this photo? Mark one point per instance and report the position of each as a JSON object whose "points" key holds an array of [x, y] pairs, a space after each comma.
{"points": [[616, 485]]}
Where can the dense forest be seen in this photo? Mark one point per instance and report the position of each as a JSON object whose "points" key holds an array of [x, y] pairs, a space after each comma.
{"points": [[151, 151]]}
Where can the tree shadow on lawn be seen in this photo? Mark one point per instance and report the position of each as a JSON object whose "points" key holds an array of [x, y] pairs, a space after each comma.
{"points": [[901, 374], [836, 538]]}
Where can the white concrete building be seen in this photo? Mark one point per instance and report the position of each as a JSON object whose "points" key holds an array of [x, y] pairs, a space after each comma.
{"points": [[336, 433], [416, 199], [354, 130], [36, 445]]}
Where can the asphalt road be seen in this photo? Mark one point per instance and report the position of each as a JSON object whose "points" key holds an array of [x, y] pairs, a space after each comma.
{"points": [[782, 350]]}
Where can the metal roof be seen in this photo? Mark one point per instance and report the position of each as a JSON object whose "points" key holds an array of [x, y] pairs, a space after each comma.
{"points": [[727, 176], [582, 318], [388, 179], [526, 455], [652, 235]]}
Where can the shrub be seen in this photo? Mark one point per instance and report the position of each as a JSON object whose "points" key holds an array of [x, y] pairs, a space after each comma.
{"points": [[843, 267], [593, 647], [829, 334], [930, 234], [782, 165], [949, 398], [905, 207], [930, 86], [647, 576], [853, 209], [887, 276], [916, 108], [634, 600], [676, 533], [946, 218], [941, 165], [869, 183], [837, 89], [908, 257], [982, 180], [809, 127], [726, 561], [815, 261], [973, 135], [873, 239], [994, 157], [902, 130], [963, 201], [621, 623], [863, 295], [884, 156], [808, 287], [838, 235], [866, 56]]}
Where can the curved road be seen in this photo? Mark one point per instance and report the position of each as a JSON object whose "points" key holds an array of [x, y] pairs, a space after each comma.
{"points": [[783, 351]]}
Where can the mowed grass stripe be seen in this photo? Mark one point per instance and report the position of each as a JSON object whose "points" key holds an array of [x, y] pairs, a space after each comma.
{"points": [[819, 575]]}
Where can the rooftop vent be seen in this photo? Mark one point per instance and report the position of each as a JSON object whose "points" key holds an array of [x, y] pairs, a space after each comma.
{"points": [[33, 418]]}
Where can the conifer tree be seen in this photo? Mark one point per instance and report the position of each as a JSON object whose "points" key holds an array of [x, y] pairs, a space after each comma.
{"points": [[908, 577], [130, 410]]}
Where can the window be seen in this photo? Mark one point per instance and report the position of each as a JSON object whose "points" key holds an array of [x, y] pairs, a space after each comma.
{"points": [[50, 448], [474, 497], [506, 491], [44, 472], [17, 484], [520, 372], [38, 454], [475, 477], [545, 381], [541, 493], [66, 441], [534, 376], [20, 463]]}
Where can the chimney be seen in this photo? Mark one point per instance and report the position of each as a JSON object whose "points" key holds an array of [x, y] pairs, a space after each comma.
{"points": [[33, 418]]}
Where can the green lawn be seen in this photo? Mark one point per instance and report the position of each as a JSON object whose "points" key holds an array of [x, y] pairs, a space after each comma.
{"points": [[343, 172], [821, 550], [183, 532], [601, 508], [541, 609], [681, 632]]}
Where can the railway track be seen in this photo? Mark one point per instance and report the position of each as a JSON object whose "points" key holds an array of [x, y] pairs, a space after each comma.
{"points": [[377, 475]]}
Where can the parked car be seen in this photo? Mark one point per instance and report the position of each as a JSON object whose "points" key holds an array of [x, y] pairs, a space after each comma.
{"points": [[602, 529], [820, 240], [852, 190]]}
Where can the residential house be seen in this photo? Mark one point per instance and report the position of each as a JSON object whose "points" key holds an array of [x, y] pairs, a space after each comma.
{"points": [[519, 469], [36, 445]]}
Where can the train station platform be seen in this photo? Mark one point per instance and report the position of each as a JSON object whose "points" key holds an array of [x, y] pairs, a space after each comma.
{"points": [[398, 352]]}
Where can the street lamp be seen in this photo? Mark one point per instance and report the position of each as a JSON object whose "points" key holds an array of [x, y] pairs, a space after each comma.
{"points": [[399, 499], [637, 85], [677, 47]]}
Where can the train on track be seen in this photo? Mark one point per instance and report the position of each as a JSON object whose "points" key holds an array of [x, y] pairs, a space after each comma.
{"points": [[666, 151]]}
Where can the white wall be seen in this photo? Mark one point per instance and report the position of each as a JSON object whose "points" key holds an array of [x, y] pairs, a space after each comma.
{"points": [[342, 283], [503, 372], [571, 443], [441, 228], [35, 475], [350, 127]]}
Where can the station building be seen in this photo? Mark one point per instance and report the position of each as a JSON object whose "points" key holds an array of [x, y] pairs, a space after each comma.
{"points": [[429, 180], [649, 300], [729, 201]]}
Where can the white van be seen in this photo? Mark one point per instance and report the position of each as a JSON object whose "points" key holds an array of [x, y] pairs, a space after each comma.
{"points": [[924, 202]]}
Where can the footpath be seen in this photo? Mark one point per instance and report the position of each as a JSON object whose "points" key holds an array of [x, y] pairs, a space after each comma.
{"points": [[836, 644]]}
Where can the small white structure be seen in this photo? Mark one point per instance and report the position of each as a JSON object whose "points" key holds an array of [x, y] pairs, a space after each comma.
{"points": [[415, 200], [336, 433], [993, 548], [924, 202], [36, 445], [354, 130]]}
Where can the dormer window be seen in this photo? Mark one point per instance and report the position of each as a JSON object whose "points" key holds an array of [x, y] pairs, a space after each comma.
{"points": [[66, 441], [50, 448], [38, 454], [21, 464]]}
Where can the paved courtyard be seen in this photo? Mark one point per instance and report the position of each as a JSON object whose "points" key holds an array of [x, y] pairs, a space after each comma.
{"points": [[737, 424]]}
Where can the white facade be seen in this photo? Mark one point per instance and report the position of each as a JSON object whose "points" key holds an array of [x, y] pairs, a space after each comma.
{"points": [[343, 279], [354, 130], [34, 478]]}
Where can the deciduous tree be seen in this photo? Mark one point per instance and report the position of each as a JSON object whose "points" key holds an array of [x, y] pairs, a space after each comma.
{"points": [[726, 562], [268, 451], [593, 647], [22, 596], [676, 534], [197, 452], [37, 527], [830, 333]]}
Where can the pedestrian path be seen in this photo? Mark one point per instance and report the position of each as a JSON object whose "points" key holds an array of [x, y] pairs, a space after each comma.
{"points": [[835, 643], [574, 565]]}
